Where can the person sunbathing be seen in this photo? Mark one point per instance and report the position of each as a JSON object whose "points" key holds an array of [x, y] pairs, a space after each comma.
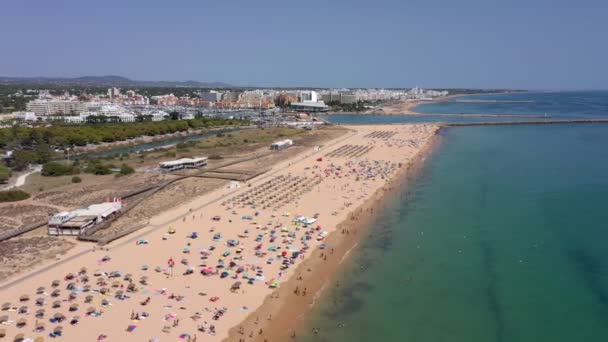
{"points": [[145, 302]]}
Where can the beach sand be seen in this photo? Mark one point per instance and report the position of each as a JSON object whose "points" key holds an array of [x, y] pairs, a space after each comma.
{"points": [[336, 190], [408, 107], [283, 314], [398, 108]]}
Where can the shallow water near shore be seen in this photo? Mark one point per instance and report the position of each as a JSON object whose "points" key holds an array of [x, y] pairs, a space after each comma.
{"points": [[500, 237], [496, 108], [558, 105]]}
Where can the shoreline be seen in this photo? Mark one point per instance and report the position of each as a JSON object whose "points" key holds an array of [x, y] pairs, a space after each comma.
{"points": [[409, 107], [348, 184], [284, 313]]}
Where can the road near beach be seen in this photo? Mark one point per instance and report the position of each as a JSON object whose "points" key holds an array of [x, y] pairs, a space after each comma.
{"points": [[204, 267]]}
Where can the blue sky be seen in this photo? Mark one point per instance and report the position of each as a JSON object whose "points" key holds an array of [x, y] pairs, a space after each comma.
{"points": [[534, 44]]}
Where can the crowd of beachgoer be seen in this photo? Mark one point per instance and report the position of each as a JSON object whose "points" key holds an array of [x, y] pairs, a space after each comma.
{"points": [[276, 241]]}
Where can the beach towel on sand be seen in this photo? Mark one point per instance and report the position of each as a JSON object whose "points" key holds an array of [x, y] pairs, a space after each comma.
{"points": [[131, 327]]}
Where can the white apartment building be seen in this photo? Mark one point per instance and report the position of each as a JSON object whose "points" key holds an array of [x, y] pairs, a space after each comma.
{"points": [[157, 115], [211, 96], [309, 96], [55, 107], [26, 116], [113, 92]]}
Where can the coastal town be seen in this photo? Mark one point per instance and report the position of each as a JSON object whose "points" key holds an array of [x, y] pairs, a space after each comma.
{"points": [[260, 105], [319, 171], [217, 191]]}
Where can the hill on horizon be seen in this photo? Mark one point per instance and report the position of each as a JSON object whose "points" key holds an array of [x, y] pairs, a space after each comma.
{"points": [[109, 81]]}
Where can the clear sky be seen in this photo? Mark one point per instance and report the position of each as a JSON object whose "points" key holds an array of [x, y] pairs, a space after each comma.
{"points": [[531, 44]]}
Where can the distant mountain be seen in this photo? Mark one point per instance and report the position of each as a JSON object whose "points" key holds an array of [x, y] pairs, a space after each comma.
{"points": [[107, 81]]}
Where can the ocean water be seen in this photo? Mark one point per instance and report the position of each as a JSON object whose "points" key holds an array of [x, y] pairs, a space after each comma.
{"points": [[371, 119], [557, 105], [501, 236], [563, 105]]}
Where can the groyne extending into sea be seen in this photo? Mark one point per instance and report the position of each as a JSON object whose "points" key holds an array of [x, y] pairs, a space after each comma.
{"points": [[479, 115], [536, 122]]}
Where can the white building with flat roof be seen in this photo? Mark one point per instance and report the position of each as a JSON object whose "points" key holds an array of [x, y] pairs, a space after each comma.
{"points": [[25, 116], [56, 107], [78, 221], [281, 145], [309, 107], [184, 163], [309, 102], [211, 96]]}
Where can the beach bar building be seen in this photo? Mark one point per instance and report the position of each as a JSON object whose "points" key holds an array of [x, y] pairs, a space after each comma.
{"points": [[78, 221], [281, 145], [184, 163]]}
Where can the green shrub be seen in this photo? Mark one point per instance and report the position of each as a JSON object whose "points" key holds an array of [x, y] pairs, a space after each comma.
{"points": [[126, 169], [98, 168], [13, 195], [5, 174], [22, 159], [76, 179], [55, 169]]}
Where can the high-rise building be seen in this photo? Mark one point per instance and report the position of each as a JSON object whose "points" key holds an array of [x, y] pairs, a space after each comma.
{"points": [[113, 92], [309, 96], [231, 96], [309, 102], [211, 96]]}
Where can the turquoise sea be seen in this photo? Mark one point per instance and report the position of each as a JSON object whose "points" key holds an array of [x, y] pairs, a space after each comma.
{"points": [[502, 236], [557, 105], [530, 106]]}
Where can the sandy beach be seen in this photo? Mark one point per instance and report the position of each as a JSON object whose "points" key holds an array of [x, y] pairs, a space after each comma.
{"points": [[408, 107], [283, 314], [398, 108], [205, 266]]}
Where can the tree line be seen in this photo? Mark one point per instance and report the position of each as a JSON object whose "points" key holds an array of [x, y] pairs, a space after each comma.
{"points": [[37, 144]]}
